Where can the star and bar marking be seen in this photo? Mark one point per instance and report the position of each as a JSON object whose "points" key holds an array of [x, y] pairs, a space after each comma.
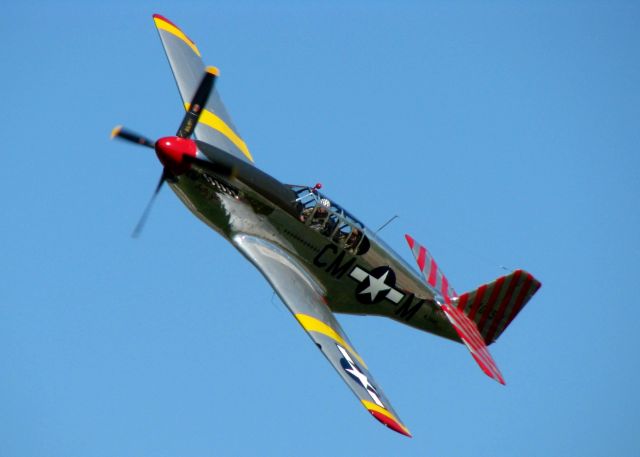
{"points": [[354, 371], [376, 285]]}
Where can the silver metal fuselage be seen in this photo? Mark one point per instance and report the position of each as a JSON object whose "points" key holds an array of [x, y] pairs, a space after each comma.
{"points": [[253, 203]]}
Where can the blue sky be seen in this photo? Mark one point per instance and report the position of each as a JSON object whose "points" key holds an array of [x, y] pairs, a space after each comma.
{"points": [[503, 134]]}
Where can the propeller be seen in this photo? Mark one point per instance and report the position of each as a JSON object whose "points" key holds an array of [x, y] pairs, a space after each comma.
{"points": [[129, 135], [197, 103], [145, 214], [172, 152]]}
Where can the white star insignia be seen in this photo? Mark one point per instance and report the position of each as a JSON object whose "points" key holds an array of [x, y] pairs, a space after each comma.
{"points": [[354, 371], [376, 285]]}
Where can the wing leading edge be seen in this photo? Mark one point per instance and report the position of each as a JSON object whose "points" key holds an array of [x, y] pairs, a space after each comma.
{"points": [[215, 126], [304, 297]]}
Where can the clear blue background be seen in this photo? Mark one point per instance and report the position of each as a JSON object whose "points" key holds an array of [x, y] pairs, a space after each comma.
{"points": [[504, 134]]}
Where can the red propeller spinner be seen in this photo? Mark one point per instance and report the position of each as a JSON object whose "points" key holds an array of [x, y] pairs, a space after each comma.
{"points": [[171, 151]]}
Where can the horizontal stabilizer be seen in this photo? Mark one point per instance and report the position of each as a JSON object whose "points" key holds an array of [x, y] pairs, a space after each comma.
{"points": [[470, 336], [493, 306]]}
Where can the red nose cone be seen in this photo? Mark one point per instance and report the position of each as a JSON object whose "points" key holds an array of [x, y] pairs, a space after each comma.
{"points": [[171, 151]]}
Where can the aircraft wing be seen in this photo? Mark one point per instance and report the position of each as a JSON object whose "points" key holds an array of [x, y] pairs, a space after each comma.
{"points": [[304, 297], [215, 126]]}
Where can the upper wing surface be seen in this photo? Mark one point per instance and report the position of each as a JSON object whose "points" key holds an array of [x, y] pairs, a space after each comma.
{"points": [[215, 126], [305, 299]]}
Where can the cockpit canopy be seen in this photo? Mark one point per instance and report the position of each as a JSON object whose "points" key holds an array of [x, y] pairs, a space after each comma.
{"points": [[323, 215]]}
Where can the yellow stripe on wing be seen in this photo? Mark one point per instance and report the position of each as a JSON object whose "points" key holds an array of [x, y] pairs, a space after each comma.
{"points": [[165, 24], [311, 324], [209, 119]]}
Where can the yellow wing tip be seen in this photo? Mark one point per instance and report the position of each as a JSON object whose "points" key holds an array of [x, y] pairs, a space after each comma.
{"points": [[116, 130], [214, 71], [160, 18], [165, 24]]}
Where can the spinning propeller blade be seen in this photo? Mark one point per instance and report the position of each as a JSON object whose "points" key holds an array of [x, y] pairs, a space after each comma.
{"points": [[143, 219], [198, 102], [172, 151], [128, 135]]}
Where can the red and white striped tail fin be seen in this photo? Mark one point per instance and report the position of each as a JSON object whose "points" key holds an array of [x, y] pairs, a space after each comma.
{"points": [[429, 269], [493, 306], [480, 316]]}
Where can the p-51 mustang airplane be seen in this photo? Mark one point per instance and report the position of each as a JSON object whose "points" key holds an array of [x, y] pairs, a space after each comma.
{"points": [[318, 257]]}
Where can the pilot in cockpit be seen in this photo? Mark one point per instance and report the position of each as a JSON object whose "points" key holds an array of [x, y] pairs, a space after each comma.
{"points": [[352, 240], [321, 214]]}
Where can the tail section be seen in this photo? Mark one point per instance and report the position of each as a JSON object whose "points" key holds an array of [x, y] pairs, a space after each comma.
{"points": [[479, 316], [493, 306], [429, 269], [470, 336]]}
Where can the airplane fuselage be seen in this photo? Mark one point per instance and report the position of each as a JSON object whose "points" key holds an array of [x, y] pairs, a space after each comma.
{"points": [[317, 256], [369, 278]]}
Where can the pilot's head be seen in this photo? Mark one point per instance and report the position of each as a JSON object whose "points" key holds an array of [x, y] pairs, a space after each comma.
{"points": [[325, 202]]}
